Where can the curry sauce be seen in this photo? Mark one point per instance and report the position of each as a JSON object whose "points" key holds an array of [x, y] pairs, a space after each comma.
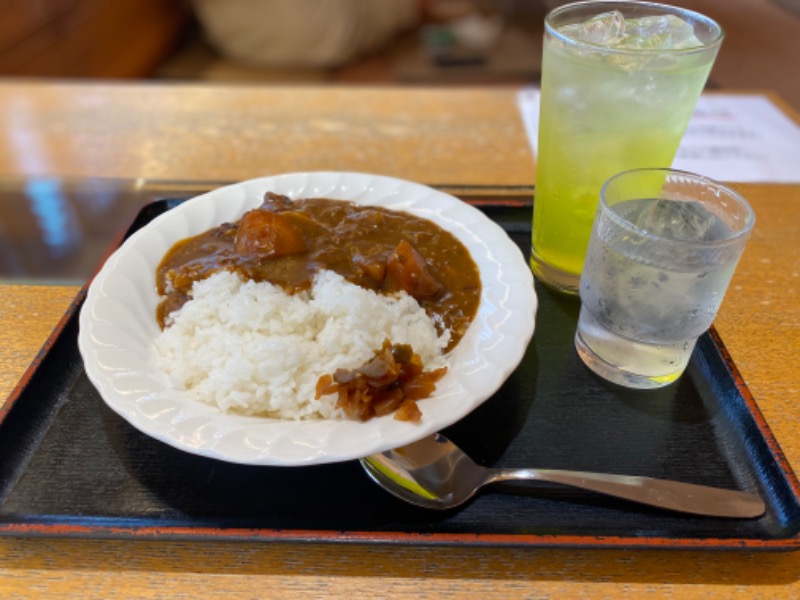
{"points": [[287, 242]]}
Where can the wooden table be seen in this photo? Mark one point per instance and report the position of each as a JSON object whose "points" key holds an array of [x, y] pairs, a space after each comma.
{"points": [[465, 136]]}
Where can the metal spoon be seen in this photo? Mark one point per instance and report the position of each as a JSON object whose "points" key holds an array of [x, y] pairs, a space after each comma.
{"points": [[435, 473]]}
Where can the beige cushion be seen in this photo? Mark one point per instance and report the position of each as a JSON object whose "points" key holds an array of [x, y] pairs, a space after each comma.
{"points": [[314, 33]]}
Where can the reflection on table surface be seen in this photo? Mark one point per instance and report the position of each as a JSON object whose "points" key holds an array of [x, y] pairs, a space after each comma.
{"points": [[59, 230]]}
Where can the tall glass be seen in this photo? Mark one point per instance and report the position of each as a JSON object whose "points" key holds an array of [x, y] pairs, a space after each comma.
{"points": [[619, 83]]}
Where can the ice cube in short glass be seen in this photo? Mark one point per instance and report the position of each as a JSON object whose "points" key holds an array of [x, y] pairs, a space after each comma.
{"points": [[683, 221]]}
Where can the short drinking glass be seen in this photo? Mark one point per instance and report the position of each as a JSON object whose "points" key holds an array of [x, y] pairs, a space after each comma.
{"points": [[619, 83], [663, 248]]}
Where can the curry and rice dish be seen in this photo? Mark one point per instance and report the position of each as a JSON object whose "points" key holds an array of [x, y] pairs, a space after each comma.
{"points": [[315, 308]]}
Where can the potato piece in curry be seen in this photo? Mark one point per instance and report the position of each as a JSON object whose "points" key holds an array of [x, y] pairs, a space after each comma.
{"points": [[287, 242]]}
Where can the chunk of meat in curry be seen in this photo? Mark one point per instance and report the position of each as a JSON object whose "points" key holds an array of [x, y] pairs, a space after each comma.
{"points": [[287, 242]]}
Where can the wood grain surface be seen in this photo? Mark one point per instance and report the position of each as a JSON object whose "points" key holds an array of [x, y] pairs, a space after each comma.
{"points": [[174, 131], [462, 136]]}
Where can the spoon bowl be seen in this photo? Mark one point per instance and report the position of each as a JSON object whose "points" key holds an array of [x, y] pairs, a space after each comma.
{"points": [[435, 473]]}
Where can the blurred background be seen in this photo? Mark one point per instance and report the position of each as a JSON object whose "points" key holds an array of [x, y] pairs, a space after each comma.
{"points": [[397, 42]]}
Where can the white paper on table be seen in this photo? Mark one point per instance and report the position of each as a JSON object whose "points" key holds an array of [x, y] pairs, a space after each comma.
{"points": [[731, 137]]}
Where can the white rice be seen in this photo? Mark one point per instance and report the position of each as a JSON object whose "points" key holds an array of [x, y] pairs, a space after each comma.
{"points": [[252, 348]]}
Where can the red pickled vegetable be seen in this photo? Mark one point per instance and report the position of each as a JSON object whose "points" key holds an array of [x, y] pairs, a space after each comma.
{"points": [[391, 381]]}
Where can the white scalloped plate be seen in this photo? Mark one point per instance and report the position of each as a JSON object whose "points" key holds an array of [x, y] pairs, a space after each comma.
{"points": [[118, 329]]}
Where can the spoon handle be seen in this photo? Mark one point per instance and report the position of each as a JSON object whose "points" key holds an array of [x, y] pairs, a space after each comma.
{"points": [[672, 495]]}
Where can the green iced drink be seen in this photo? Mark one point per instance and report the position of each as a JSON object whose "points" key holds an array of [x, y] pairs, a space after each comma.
{"points": [[619, 83]]}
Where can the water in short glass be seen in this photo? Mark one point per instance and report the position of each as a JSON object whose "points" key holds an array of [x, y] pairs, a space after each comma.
{"points": [[663, 248]]}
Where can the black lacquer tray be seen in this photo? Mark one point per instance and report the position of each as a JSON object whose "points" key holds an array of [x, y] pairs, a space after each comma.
{"points": [[69, 466]]}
